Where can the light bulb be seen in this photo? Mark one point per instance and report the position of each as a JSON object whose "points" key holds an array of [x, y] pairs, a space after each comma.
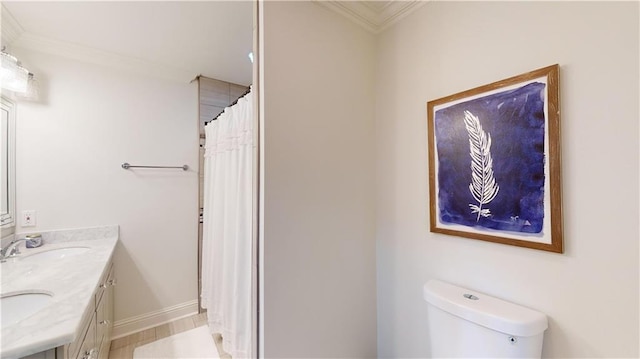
{"points": [[19, 82], [8, 67]]}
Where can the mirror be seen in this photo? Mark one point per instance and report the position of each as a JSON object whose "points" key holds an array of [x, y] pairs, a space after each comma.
{"points": [[7, 167]]}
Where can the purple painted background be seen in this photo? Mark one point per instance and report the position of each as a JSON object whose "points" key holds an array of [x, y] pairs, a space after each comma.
{"points": [[515, 120]]}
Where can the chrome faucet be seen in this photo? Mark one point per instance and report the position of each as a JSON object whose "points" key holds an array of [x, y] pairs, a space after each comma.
{"points": [[10, 250]]}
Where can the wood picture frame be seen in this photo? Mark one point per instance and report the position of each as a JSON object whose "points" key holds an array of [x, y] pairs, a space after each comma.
{"points": [[494, 162]]}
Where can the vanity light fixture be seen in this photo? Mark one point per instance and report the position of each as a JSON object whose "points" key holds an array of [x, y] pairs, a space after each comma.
{"points": [[9, 66], [16, 78]]}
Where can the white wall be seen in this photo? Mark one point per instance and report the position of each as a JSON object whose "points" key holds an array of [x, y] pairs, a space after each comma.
{"points": [[590, 292], [69, 152], [319, 243]]}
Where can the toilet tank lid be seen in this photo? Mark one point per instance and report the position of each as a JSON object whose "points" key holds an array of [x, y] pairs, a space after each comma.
{"points": [[482, 309]]}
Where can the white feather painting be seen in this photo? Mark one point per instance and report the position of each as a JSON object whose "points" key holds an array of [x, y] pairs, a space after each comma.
{"points": [[483, 185], [494, 162]]}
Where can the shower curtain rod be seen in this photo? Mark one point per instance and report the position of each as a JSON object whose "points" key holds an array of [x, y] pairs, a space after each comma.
{"points": [[233, 103]]}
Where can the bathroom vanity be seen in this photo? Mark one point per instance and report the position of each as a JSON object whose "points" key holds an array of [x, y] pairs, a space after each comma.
{"points": [[57, 300]]}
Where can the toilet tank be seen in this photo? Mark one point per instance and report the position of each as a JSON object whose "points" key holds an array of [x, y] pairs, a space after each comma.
{"points": [[467, 324]]}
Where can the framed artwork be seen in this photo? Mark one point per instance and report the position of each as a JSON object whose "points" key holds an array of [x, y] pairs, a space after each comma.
{"points": [[494, 162]]}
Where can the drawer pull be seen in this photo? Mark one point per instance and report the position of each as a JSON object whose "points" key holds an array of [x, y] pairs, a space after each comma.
{"points": [[90, 354], [110, 282], [104, 322]]}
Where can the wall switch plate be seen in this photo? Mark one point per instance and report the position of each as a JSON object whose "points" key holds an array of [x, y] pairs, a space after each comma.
{"points": [[28, 218]]}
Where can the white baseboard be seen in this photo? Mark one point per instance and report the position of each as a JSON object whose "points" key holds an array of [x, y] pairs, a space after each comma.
{"points": [[128, 326]]}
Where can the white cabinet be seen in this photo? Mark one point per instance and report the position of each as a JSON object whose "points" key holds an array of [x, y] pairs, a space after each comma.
{"points": [[94, 339], [104, 315]]}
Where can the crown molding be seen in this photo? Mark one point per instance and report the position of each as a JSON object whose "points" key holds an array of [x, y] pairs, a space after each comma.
{"points": [[394, 11], [9, 27], [99, 57], [374, 16], [357, 12]]}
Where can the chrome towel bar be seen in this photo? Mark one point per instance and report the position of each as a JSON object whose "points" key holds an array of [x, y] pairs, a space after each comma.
{"points": [[126, 166]]}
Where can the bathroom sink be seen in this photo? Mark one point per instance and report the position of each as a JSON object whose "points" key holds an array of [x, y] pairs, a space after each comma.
{"points": [[15, 307], [57, 253]]}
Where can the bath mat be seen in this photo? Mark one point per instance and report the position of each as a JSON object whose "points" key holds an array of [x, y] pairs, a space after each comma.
{"points": [[194, 343]]}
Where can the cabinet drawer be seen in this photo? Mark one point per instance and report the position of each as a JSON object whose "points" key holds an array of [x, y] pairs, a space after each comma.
{"points": [[105, 282]]}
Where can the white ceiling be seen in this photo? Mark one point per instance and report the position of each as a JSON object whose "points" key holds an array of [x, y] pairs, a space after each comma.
{"points": [[177, 40], [172, 39]]}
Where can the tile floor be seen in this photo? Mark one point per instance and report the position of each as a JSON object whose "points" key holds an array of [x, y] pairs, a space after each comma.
{"points": [[122, 348]]}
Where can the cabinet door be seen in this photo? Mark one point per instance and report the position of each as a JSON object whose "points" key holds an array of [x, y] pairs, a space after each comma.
{"points": [[104, 314], [109, 303], [89, 348], [101, 326], [73, 349]]}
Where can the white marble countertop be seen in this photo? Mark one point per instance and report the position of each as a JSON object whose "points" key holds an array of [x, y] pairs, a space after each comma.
{"points": [[72, 281]]}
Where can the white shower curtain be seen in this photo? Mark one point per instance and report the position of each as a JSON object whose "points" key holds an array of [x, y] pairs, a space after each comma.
{"points": [[227, 226]]}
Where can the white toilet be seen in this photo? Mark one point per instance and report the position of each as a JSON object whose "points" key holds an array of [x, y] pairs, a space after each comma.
{"points": [[467, 324]]}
